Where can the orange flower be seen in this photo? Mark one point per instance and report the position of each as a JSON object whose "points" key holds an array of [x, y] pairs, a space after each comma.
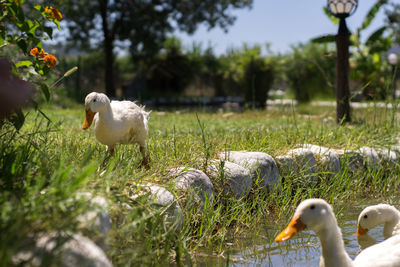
{"points": [[35, 52], [53, 13], [42, 53], [50, 60]]}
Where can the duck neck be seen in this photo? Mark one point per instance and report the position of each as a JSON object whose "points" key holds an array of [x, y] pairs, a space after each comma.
{"points": [[106, 114], [391, 218], [333, 252]]}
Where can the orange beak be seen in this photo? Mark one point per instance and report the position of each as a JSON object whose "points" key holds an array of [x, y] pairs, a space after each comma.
{"points": [[360, 231], [88, 119], [295, 226]]}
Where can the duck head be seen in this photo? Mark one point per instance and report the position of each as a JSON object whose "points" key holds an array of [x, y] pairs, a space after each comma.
{"points": [[313, 214], [374, 215], [94, 102]]}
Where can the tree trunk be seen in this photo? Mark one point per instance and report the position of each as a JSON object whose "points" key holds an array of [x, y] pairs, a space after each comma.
{"points": [[109, 71], [342, 74], [108, 45]]}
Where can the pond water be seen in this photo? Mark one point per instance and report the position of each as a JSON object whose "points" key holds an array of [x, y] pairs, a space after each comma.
{"points": [[302, 250]]}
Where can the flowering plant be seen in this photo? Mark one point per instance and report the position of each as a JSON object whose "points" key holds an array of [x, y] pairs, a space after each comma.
{"points": [[49, 60], [23, 29]]}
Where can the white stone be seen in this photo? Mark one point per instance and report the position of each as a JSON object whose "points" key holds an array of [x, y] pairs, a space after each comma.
{"points": [[193, 181], [388, 156], [238, 179], [97, 218], [262, 167], [371, 157], [300, 162], [160, 196], [65, 249], [396, 149], [351, 159], [329, 159]]}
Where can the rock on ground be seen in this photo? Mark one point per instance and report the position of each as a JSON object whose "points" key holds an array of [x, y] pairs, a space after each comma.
{"points": [[193, 181], [388, 156], [236, 179], [97, 218], [160, 197], [371, 158], [329, 159], [262, 167], [396, 150], [351, 159], [300, 162], [62, 249]]}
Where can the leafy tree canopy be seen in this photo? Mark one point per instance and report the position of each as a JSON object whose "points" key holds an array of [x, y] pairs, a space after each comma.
{"points": [[144, 23]]}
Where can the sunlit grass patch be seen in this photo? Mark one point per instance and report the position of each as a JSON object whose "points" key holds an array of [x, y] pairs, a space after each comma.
{"points": [[46, 163]]}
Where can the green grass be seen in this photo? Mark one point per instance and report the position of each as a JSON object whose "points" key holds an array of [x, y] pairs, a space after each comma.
{"points": [[45, 164]]}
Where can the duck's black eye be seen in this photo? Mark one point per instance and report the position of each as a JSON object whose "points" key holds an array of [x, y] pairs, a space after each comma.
{"points": [[365, 216], [312, 207]]}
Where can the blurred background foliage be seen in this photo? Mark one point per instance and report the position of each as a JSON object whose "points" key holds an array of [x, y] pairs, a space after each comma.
{"points": [[307, 72], [151, 63]]}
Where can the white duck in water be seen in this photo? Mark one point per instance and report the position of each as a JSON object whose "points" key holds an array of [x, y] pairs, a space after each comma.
{"points": [[116, 122], [317, 215], [374, 215]]}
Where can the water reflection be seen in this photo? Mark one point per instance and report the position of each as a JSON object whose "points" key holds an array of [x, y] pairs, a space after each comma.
{"points": [[302, 250], [365, 241]]}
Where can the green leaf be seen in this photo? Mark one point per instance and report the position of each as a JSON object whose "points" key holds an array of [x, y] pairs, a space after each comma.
{"points": [[45, 90], [36, 42], [22, 45], [17, 11], [57, 23], [29, 23], [10, 38], [331, 17], [49, 31], [324, 39], [375, 36], [372, 14], [17, 119], [24, 26], [25, 63], [33, 27], [39, 8], [43, 114]]}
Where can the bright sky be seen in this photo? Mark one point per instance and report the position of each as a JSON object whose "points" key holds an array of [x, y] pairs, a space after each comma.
{"points": [[281, 23]]}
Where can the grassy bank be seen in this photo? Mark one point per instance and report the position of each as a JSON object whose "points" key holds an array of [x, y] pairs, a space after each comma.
{"points": [[46, 163]]}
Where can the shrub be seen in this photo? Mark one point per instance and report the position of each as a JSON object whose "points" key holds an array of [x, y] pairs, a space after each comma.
{"points": [[310, 71], [258, 78], [22, 30], [246, 73]]}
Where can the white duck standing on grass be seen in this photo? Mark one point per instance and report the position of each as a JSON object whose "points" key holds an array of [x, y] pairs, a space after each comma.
{"points": [[116, 122], [317, 215], [374, 215]]}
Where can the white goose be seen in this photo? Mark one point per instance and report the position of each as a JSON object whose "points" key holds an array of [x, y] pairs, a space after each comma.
{"points": [[116, 122], [317, 215], [379, 214]]}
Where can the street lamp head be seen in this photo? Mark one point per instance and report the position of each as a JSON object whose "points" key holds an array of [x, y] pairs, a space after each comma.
{"points": [[342, 8], [393, 59]]}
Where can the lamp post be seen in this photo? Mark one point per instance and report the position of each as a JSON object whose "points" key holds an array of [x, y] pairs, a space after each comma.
{"points": [[393, 59], [342, 9]]}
